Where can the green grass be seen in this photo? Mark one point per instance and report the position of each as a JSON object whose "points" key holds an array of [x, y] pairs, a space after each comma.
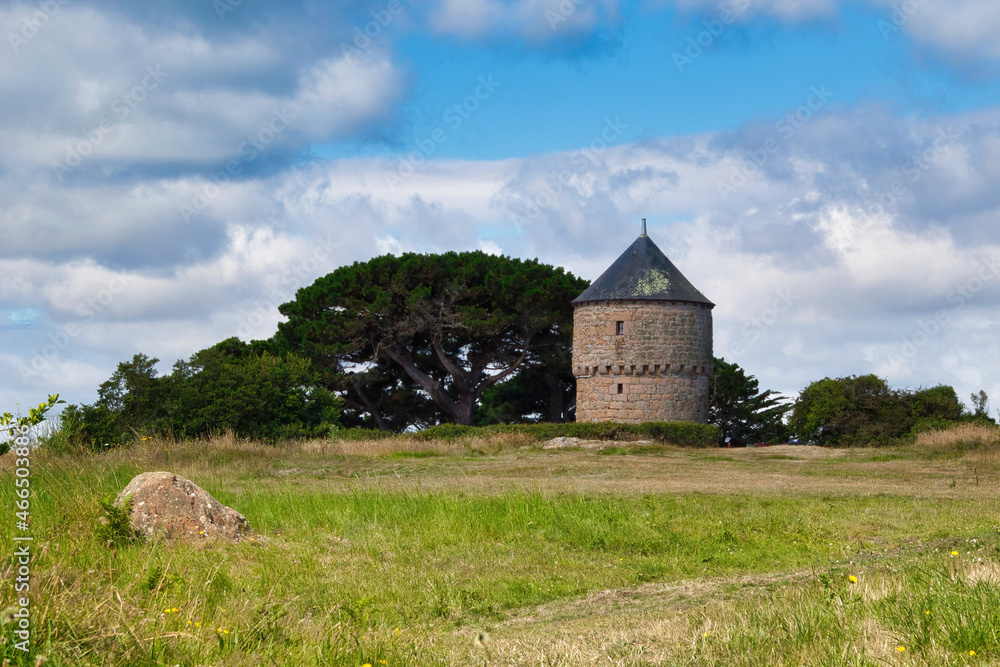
{"points": [[348, 567], [412, 455], [633, 450]]}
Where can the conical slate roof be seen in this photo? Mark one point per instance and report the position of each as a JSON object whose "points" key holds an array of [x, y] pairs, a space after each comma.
{"points": [[642, 273]]}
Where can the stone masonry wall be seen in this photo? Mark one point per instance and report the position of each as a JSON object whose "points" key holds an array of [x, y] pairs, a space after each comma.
{"points": [[643, 398], [657, 369]]}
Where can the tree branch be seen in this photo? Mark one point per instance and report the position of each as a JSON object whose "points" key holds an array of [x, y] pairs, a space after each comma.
{"points": [[460, 375], [490, 381], [429, 384]]}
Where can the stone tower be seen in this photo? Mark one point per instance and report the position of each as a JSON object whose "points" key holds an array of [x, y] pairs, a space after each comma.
{"points": [[642, 342]]}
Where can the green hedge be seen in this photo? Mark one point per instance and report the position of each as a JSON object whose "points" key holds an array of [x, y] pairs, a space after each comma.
{"points": [[684, 434]]}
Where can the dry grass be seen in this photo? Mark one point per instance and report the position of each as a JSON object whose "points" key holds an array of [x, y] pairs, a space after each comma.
{"points": [[508, 462], [964, 436], [383, 447]]}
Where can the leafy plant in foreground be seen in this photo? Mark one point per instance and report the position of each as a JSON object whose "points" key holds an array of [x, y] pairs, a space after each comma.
{"points": [[10, 425], [114, 526]]}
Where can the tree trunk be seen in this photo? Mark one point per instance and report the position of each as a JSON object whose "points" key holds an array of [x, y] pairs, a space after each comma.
{"points": [[556, 413], [467, 410], [370, 406]]}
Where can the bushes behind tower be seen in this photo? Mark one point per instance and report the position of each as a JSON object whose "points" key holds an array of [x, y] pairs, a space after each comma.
{"points": [[864, 411]]}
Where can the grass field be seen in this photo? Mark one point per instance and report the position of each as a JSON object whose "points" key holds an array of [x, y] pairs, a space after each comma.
{"points": [[497, 552]]}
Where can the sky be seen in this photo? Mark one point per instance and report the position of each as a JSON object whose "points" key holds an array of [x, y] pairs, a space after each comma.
{"points": [[826, 171]]}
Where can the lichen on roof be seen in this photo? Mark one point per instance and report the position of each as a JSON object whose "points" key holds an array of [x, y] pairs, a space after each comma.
{"points": [[654, 282], [642, 272]]}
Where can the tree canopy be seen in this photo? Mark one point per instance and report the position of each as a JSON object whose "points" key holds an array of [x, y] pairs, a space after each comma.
{"points": [[455, 324], [229, 386], [744, 414]]}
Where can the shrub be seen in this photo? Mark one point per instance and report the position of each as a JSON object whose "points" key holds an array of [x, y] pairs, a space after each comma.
{"points": [[683, 434], [865, 411], [354, 434]]}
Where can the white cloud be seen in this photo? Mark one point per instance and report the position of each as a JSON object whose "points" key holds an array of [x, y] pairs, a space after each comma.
{"points": [[490, 248], [121, 95], [962, 29], [389, 245]]}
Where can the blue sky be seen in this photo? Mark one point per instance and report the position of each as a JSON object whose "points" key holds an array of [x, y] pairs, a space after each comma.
{"points": [[826, 171], [641, 72]]}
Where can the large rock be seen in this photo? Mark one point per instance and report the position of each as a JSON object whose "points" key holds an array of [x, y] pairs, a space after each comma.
{"points": [[564, 442], [163, 502]]}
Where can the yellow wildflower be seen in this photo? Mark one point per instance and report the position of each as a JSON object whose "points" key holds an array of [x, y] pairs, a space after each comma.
{"points": [[852, 579], [901, 649]]}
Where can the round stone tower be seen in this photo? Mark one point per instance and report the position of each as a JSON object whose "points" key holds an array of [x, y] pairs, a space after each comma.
{"points": [[642, 342]]}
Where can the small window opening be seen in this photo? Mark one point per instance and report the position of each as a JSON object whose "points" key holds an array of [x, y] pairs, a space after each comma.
{"points": [[620, 328], [621, 389]]}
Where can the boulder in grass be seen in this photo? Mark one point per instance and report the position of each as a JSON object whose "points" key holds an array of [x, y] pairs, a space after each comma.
{"points": [[564, 442], [169, 504]]}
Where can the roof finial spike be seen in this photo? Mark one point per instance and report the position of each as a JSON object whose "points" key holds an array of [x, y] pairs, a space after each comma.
{"points": [[643, 227]]}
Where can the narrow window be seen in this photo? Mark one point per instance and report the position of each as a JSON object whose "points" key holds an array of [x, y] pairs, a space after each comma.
{"points": [[621, 389], [619, 328]]}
